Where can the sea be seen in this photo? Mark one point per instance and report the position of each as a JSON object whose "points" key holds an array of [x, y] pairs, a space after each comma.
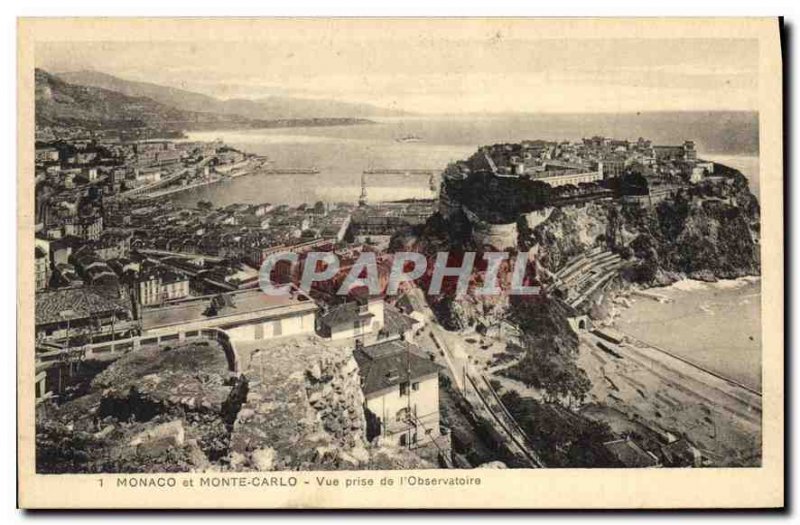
{"points": [[342, 153], [714, 325]]}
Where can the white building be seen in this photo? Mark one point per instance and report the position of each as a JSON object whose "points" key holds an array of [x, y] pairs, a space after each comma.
{"points": [[147, 175], [90, 174], [246, 315], [46, 154], [158, 285], [352, 319], [401, 392], [561, 178], [700, 170]]}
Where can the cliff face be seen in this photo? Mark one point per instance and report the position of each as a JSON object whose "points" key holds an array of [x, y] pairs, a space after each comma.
{"points": [[708, 232], [150, 411], [567, 232]]}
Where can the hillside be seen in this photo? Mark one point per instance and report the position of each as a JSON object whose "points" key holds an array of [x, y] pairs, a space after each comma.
{"points": [[179, 409], [63, 103], [275, 107], [708, 232]]}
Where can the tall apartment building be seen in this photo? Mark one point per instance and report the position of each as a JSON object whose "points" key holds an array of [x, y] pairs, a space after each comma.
{"points": [[157, 285]]}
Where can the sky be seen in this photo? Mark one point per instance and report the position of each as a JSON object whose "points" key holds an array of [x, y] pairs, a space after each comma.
{"points": [[429, 74]]}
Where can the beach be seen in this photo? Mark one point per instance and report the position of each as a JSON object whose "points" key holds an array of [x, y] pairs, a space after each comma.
{"points": [[714, 325], [642, 391]]}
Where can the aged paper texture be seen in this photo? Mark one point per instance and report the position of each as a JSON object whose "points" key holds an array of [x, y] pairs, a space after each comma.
{"points": [[400, 263]]}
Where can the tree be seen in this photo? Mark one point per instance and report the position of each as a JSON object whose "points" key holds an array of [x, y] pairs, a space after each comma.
{"points": [[561, 437]]}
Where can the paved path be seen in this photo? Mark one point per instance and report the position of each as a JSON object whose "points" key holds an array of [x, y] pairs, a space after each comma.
{"points": [[475, 389]]}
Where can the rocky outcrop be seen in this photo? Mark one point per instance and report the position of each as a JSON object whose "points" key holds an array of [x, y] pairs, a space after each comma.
{"points": [[706, 232], [297, 405], [160, 439], [568, 232], [333, 389], [150, 411], [304, 409]]}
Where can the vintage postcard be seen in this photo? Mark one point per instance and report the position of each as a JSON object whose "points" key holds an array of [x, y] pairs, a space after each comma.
{"points": [[400, 263]]}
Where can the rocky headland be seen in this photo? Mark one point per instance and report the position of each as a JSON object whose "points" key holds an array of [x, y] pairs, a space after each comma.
{"points": [[705, 230]]}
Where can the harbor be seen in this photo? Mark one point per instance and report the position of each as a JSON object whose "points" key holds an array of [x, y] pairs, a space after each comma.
{"points": [[155, 193]]}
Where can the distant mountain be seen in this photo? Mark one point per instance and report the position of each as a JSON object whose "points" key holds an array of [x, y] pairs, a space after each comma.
{"points": [[269, 108], [59, 102], [62, 103]]}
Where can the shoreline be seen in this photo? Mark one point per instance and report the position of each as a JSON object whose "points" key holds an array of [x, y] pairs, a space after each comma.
{"points": [[700, 368], [643, 389], [647, 388], [622, 300]]}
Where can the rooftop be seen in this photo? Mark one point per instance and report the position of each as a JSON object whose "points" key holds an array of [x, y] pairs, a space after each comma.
{"points": [[630, 454], [164, 273], [346, 313], [246, 302], [396, 322], [389, 363], [73, 303]]}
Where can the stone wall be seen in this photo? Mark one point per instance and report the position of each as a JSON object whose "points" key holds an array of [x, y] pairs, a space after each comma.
{"points": [[492, 236]]}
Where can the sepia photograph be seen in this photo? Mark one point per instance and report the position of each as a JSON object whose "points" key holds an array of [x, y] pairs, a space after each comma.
{"points": [[286, 256]]}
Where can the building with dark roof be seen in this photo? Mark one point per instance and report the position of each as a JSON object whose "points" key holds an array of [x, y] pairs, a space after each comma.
{"points": [[401, 392], [61, 249], [398, 324], [358, 318], [65, 314]]}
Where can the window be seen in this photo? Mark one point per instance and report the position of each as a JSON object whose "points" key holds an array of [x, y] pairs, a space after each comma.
{"points": [[403, 440], [404, 388], [415, 386]]}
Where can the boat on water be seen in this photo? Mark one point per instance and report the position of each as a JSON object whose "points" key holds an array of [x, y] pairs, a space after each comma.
{"points": [[408, 138]]}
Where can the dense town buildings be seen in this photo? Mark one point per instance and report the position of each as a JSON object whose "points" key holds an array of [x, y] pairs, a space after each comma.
{"points": [[97, 225], [158, 284]]}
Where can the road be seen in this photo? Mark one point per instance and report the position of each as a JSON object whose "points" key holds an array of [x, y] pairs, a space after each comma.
{"points": [[473, 386]]}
